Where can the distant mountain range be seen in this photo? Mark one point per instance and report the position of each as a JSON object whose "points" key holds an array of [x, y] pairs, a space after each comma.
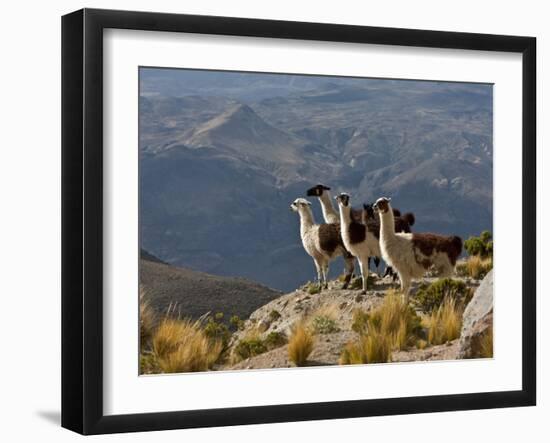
{"points": [[218, 170]]}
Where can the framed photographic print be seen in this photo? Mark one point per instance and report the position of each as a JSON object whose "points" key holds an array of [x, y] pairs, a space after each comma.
{"points": [[269, 221]]}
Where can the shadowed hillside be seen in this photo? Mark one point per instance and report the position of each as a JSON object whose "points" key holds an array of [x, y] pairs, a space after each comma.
{"points": [[194, 294]]}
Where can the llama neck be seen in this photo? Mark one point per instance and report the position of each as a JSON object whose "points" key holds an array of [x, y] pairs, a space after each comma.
{"points": [[387, 224], [327, 208], [345, 215], [306, 220]]}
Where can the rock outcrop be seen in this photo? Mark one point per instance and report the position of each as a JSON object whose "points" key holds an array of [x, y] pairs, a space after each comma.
{"points": [[477, 321]]}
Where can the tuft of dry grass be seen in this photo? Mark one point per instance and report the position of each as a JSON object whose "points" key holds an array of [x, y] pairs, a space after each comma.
{"points": [[477, 267], [372, 348], [147, 319], [444, 323], [359, 321], [182, 346], [396, 320], [391, 326], [300, 344]]}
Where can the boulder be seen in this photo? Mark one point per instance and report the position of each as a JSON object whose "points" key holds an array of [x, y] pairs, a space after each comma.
{"points": [[477, 320]]}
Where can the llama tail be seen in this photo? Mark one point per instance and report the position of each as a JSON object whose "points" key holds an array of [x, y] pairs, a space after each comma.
{"points": [[410, 219]]}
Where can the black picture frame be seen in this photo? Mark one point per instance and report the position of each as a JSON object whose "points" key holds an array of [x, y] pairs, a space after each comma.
{"points": [[82, 219]]}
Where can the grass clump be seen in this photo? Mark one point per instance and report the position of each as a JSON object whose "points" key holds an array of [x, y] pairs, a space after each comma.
{"points": [[182, 346], [300, 344], [477, 267], [147, 321], [359, 322], [312, 288], [395, 319], [148, 364], [372, 348], [444, 323], [430, 297], [392, 326]]}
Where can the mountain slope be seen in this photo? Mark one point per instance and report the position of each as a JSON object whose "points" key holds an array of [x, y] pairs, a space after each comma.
{"points": [[193, 293]]}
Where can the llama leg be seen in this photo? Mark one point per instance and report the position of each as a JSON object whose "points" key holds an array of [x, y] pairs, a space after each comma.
{"points": [[349, 268], [364, 274], [319, 273], [325, 274]]}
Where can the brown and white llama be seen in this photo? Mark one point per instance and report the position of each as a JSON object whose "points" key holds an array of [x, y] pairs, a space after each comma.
{"points": [[411, 255], [322, 242], [361, 243]]}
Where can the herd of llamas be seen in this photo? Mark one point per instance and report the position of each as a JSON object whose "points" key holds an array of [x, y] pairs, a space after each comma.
{"points": [[377, 231]]}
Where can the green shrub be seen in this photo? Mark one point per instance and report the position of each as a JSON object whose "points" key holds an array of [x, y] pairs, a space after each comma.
{"points": [[148, 364], [251, 347], [481, 246], [236, 322], [217, 330], [312, 288], [322, 324], [274, 340], [274, 315], [430, 297]]}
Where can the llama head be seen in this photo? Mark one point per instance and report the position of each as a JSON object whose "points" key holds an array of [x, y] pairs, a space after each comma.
{"points": [[343, 200], [317, 191], [369, 209], [382, 205], [300, 204]]}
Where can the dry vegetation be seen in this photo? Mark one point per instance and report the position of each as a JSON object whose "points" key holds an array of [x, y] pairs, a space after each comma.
{"points": [[372, 348], [478, 267], [444, 323], [146, 320], [182, 346], [323, 320], [300, 344], [392, 326]]}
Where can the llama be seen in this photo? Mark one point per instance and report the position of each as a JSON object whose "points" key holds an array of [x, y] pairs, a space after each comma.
{"points": [[403, 223], [322, 242], [322, 192], [411, 255], [357, 240]]}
